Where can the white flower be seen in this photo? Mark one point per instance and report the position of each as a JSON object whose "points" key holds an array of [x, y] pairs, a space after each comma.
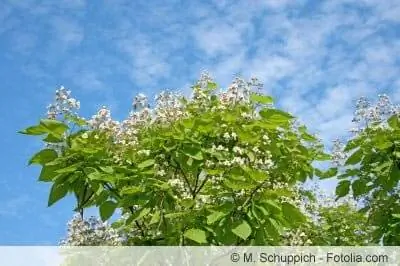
{"points": [[161, 172], [227, 136]]}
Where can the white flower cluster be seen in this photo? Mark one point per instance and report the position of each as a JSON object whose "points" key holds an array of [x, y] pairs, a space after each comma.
{"points": [[63, 104], [367, 115], [168, 107], [103, 121], [91, 232], [296, 237], [180, 186], [338, 154]]}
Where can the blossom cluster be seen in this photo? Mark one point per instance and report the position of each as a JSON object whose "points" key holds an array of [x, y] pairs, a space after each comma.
{"points": [[64, 104], [91, 232], [369, 115]]}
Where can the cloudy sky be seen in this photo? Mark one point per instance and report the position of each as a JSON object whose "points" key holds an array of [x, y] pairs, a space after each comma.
{"points": [[315, 57]]}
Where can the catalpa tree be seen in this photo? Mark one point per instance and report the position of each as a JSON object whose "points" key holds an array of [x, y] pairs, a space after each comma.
{"points": [[218, 168], [370, 166]]}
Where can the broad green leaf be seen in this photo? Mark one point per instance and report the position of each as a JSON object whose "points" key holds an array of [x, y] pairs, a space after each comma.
{"points": [[34, 130], [147, 163], [263, 99], [69, 169], [291, 213], [393, 121], [107, 169], [57, 192], [396, 215], [193, 152], [187, 203], [101, 177], [215, 216], [175, 215], [55, 127], [352, 144], [243, 230], [272, 228], [43, 157], [131, 190], [155, 218], [359, 187], [327, 174], [355, 158], [196, 235], [107, 210], [140, 214], [273, 206], [51, 138], [343, 188], [276, 116], [188, 123], [211, 85], [48, 173], [238, 184], [323, 157]]}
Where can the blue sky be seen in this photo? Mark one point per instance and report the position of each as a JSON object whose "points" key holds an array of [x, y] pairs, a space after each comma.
{"points": [[315, 57]]}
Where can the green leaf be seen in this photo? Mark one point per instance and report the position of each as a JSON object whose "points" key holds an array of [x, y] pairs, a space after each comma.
{"points": [[43, 157], [107, 210], [215, 216], [175, 215], [193, 152], [359, 187], [393, 121], [211, 85], [77, 120], [272, 206], [69, 169], [323, 157], [138, 215], [147, 163], [355, 158], [238, 184], [243, 230], [276, 116], [48, 173], [187, 203], [50, 138], [352, 144], [55, 127], [343, 188], [107, 169], [155, 218], [34, 130], [396, 215], [272, 228], [263, 99], [291, 213], [327, 174], [57, 192], [196, 235], [131, 190]]}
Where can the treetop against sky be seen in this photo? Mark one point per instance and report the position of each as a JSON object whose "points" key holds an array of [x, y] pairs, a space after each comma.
{"points": [[316, 58]]}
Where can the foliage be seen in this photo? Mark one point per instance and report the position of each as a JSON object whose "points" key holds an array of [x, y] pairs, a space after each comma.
{"points": [[371, 167], [217, 168]]}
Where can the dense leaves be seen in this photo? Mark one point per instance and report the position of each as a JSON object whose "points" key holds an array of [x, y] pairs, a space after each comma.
{"points": [[218, 169]]}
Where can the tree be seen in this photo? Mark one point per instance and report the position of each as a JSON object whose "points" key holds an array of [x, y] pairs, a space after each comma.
{"points": [[220, 168], [370, 167]]}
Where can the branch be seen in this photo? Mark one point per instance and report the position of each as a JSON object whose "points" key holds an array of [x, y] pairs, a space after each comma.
{"points": [[186, 179], [130, 208]]}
